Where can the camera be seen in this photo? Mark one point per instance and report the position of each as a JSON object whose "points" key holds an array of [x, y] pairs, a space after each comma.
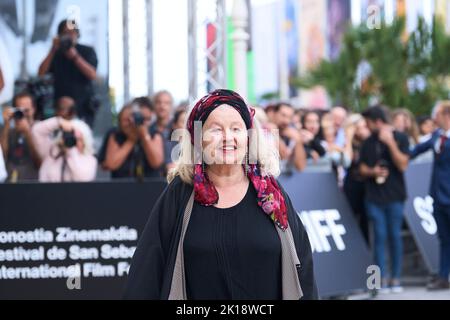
{"points": [[384, 164], [69, 139], [18, 114], [65, 43], [138, 118]]}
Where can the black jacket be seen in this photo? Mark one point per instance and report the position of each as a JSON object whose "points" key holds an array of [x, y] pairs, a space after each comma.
{"points": [[152, 265]]}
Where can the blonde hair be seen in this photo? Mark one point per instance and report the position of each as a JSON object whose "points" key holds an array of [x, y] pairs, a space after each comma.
{"points": [[266, 154], [86, 132], [353, 120], [413, 130], [261, 115]]}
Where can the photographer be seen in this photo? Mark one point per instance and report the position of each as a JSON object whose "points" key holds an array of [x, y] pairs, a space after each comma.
{"points": [[66, 146], [73, 67], [132, 149], [19, 148]]}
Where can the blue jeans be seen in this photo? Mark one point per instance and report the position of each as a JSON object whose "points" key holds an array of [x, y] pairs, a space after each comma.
{"points": [[387, 224], [442, 217]]}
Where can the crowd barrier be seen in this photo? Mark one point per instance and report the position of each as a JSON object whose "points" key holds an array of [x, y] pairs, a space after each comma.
{"points": [[75, 241]]}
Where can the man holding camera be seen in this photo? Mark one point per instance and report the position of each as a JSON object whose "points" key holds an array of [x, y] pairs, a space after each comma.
{"points": [[66, 146], [73, 67], [18, 145], [384, 157]]}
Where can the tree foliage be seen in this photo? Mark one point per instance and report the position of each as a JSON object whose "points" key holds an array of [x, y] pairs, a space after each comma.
{"points": [[387, 66]]}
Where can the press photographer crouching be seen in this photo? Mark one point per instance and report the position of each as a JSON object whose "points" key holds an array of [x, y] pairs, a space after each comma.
{"points": [[19, 148], [133, 150], [66, 146]]}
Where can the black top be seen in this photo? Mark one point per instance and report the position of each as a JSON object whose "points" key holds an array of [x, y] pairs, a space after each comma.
{"points": [[353, 174], [68, 79], [374, 152], [152, 267], [136, 159], [232, 253]]}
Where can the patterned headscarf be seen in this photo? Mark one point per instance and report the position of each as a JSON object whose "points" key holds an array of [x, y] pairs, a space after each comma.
{"points": [[270, 197]]}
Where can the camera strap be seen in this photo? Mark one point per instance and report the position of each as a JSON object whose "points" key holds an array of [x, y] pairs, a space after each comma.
{"points": [[63, 167]]}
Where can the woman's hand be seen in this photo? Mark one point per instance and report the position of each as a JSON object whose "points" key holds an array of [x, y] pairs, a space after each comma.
{"points": [[292, 134], [315, 156], [307, 136], [142, 132], [131, 133], [80, 141], [350, 133]]}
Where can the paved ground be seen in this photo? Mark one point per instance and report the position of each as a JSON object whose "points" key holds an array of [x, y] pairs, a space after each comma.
{"points": [[410, 293], [416, 293]]}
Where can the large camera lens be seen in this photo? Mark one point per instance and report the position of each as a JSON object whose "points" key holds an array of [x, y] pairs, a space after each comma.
{"points": [[69, 139], [65, 43], [138, 118]]}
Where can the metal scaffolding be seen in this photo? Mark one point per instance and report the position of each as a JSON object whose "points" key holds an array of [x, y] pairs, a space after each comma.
{"points": [[207, 63], [149, 15], [126, 51]]}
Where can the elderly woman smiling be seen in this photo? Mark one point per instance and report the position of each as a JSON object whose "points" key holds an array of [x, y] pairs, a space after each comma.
{"points": [[223, 228]]}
